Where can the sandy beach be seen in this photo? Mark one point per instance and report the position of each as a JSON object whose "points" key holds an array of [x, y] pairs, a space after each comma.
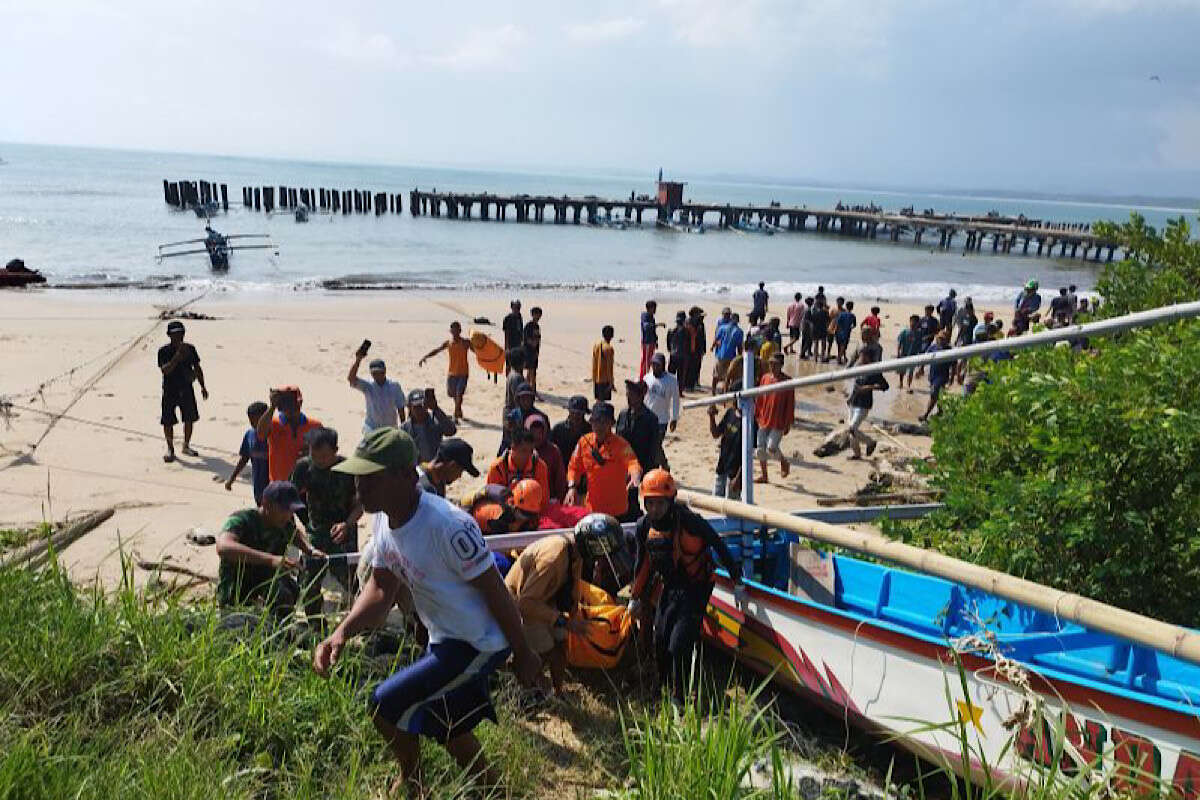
{"points": [[95, 353]]}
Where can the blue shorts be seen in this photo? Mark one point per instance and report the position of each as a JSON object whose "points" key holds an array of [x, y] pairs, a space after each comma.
{"points": [[443, 694], [456, 385]]}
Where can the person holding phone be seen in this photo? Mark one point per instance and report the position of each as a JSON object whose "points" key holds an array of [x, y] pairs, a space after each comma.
{"points": [[384, 397]]}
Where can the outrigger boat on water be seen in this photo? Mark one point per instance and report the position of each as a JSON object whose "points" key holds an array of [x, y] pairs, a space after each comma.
{"points": [[881, 647], [216, 245]]}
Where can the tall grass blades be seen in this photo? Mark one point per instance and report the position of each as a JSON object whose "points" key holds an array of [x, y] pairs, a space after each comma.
{"points": [[109, 697], [705, 750]]}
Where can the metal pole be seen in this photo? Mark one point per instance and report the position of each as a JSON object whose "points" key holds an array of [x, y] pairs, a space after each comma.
{"points": [[1115, 325], [1163, 637], [747, 407]]}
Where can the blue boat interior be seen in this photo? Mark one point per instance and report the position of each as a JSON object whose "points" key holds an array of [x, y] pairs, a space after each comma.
{"points": [[938, 610]]}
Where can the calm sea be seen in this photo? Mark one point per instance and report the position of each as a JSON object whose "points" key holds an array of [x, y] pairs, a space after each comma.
{"points": [[86, 216]]}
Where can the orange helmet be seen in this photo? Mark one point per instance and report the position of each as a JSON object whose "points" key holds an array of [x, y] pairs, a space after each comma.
{"points": [[658, 483], [528, 496]]}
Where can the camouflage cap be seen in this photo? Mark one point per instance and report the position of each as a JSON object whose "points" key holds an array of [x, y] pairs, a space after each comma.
{"points": [[382, 448]]}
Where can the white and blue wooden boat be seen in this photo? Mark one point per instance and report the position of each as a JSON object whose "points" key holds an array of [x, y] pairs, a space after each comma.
{"points": [[880, 647]]}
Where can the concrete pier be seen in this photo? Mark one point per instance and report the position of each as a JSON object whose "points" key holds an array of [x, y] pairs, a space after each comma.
{"points": [[1002, 234]]}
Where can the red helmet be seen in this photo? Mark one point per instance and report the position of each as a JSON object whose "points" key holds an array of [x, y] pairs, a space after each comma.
{"points": [[658, 483], [528, 496]]}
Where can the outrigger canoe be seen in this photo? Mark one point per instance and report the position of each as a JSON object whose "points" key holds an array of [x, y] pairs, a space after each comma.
{"points": [[880, 646]]}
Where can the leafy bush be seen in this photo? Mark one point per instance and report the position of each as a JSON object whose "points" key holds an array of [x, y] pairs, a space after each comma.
{"points": [[1162, 269], [1081, 470]]}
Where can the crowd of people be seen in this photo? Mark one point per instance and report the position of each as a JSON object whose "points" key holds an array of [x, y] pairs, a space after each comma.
{"points": [[585, 474]]}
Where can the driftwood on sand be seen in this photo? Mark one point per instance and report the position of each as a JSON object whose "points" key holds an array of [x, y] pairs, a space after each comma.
{"points": [[166, 566], [37, 553]]}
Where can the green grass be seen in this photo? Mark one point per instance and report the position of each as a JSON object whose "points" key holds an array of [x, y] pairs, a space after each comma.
{"points": [[12, 538], [114, 698], [125, 696]]}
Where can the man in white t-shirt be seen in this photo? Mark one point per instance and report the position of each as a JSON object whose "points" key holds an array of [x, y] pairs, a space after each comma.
{"points": [[662, 397], [436, 549]]}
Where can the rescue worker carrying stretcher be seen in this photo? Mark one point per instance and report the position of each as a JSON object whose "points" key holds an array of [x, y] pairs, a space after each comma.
{"points": [[544, 580], [673, 546]]}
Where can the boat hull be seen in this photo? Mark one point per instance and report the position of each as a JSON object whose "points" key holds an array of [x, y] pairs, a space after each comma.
{"points": [[893, 683]]}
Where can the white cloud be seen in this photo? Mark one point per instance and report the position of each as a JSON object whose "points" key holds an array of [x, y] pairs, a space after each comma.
{"points": [[711, 23], [792, 27], [604, 30], [481, 48], [350, 43]]}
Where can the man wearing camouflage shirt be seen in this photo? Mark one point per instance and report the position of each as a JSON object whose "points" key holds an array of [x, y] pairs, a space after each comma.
{"points": [[332, 518]]}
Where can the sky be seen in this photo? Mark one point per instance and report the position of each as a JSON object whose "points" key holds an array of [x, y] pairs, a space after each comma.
{"points": [[1037, 95]]}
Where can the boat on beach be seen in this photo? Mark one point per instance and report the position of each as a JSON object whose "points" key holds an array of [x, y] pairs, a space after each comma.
{"points": [[925, 661]]}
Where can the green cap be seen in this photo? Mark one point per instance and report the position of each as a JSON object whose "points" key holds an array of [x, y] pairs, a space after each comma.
{"points": [[382, 448]]}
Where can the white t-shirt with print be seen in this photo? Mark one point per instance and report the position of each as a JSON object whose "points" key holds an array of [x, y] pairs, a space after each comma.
{"points": [[436, 553]]}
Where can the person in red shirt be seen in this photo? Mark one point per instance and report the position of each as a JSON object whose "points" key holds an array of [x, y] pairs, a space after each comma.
{"points": [[774, 413], [556, 468], [873, 320], [284, 433]]}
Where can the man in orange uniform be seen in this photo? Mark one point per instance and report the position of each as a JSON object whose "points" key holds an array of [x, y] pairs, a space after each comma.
{"points": [[608, 465], [519, 462], [459, 370], [674, 545], [519, 510], [284, 434], [774, 413]]}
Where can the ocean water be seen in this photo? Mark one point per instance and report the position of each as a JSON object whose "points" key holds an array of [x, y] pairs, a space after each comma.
{"points": [[96, 217]]}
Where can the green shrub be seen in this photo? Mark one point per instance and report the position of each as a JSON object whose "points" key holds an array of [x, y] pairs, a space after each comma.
{"points": [[1081, 470]]}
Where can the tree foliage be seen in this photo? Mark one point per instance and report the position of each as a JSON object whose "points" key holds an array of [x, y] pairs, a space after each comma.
{"points": [[1081, 469]]}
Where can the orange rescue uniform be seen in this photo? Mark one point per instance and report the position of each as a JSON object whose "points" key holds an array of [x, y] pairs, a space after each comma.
{"points": [[607, 476], [504, 473]]}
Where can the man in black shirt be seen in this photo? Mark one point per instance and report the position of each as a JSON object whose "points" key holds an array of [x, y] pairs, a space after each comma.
{"points": [[862, 398], [532, 338], [514, 328], [638, 425], [728, 429], [179, 364], [567, 433], [679, 344]]}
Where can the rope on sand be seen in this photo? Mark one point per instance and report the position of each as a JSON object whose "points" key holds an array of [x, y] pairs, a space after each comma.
{"points": [[99, 376]]}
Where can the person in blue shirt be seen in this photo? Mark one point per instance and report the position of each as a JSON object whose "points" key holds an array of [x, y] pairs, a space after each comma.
{"points": [[727, 347], [253, 450], [939, 374], [845, 323], [946, 309]]}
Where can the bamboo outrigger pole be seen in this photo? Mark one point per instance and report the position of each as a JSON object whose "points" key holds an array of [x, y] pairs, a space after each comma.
{"points": [[1161, 636], [1154, 316]]}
